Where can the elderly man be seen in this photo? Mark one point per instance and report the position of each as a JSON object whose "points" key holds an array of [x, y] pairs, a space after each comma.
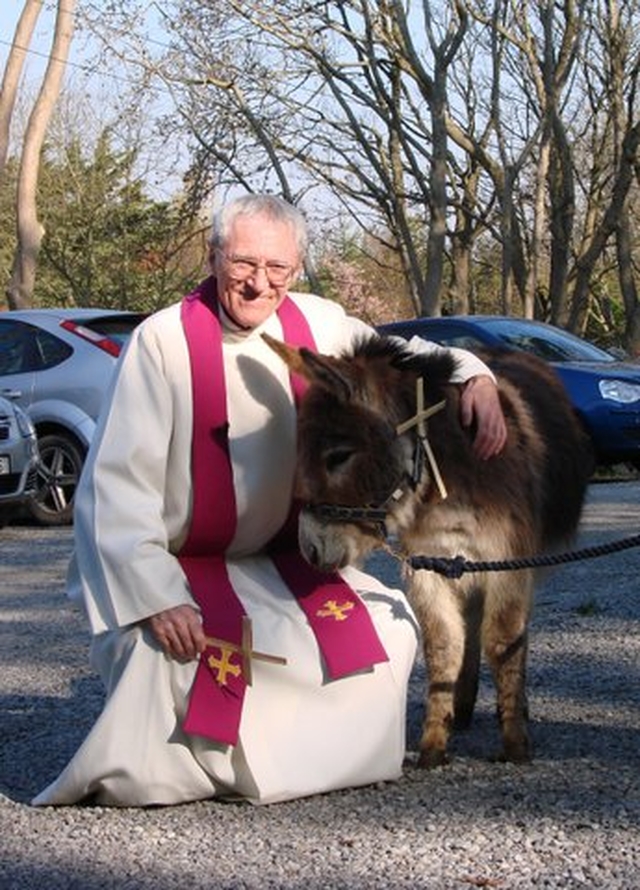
{"points": [[229, 667]]}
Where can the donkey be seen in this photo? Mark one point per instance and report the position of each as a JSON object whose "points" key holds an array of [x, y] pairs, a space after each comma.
{"points": [[372, 459]]}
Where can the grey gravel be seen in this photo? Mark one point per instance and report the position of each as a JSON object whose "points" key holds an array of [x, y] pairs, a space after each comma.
{"points": [[571, 819]]}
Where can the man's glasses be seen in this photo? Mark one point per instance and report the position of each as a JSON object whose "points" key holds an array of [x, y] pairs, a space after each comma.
{"points": [[242, 267]]}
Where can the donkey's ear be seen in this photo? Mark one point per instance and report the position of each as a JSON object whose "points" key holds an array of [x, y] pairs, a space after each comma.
{"points": [[289, 355], [320, 369]]}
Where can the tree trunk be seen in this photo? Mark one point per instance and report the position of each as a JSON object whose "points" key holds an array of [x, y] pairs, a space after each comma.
{"points": [[436, 237], [29, 228], [563, 208], [506, 233], [620, 46], [626, 277], [462, 241], [539, 228], [609, 224], [13, 72]]}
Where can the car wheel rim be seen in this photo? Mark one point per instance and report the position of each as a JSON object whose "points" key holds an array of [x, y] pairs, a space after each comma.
{"points": [[57, 478]]}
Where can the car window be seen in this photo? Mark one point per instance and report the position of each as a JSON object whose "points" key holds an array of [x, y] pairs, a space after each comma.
{"points": [[51, 350], [117, 328], [545, 349], [16, 348], [462, 341], [445, 336], [549, 344], [25, 348]]}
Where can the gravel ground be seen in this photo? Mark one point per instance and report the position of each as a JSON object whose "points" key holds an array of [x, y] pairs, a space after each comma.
{"points": [[571, 819]]}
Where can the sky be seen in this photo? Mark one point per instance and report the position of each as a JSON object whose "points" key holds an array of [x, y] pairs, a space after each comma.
{"points": [[9, 14], [163, 166], [84, 79]]}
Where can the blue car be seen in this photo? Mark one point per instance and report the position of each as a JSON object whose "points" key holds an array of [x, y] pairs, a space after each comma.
{"points": [[604, 390]]}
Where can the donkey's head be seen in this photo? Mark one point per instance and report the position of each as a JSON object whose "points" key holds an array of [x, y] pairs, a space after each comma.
{"points": [[351, 460]]}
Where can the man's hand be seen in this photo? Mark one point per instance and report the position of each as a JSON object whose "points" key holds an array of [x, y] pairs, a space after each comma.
{"points": [[179, 631], [480, 403]]}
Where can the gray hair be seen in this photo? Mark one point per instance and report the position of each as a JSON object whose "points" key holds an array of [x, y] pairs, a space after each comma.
{"points": [[270, 206]]}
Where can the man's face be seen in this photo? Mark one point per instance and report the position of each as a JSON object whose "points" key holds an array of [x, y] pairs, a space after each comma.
{"points": [[254, 268]]}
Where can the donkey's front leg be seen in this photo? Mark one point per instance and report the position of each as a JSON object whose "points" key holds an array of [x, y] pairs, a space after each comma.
{"points": [[440, 617], [507, 613]]}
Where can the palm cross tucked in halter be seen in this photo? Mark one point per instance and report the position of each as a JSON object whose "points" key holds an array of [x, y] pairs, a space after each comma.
{"points": [[418, 420]]}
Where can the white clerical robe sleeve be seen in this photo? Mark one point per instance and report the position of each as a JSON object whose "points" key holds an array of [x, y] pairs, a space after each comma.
{"points": [[124, 570]]}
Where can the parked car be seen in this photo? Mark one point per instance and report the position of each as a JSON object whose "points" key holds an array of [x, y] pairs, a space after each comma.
{"points": [[56, 365], [604, 390], [18, 457]]}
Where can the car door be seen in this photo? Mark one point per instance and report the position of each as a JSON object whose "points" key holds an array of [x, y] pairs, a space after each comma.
{"points": [[18, 361]]}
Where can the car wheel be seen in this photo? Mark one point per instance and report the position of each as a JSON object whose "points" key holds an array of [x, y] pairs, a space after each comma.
{"points": [[61, 460]]}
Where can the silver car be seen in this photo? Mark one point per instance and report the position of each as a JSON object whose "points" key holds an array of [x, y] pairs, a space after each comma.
{"points": [[18, 457], [56, 364]]}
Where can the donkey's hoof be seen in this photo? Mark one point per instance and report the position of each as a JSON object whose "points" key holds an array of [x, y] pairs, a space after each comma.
{"points": [[516, 753], [430, 758]]}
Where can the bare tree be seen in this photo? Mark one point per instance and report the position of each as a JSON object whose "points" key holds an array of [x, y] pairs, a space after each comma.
{"points": [[531, 49], [433, 89], [345, 96], [465, 130], [29, 228], [13, 72], [620, 76]]}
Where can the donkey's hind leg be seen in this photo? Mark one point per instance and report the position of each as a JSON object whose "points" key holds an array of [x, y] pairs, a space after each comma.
{"points": [[466, 691], [507, 612], [440, 616]]}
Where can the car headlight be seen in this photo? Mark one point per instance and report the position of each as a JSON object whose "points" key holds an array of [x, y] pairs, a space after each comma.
{"points": [[25, 425], [619, 391]]}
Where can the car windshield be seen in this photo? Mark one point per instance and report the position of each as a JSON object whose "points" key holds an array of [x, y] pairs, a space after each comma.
{"points": [[548, 343]]}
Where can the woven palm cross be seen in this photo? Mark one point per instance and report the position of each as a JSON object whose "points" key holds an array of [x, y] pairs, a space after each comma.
{"points": [[419, 420], [245, 649]]}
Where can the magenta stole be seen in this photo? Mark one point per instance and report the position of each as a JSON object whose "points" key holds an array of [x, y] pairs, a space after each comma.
{"points": [[340, 621]]}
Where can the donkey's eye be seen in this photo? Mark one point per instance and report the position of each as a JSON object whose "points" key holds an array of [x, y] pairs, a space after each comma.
{"points": [[336, 458]]}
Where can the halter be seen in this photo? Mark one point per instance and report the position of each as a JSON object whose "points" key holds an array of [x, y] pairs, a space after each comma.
{"points": [[377, 515], [341, 513]]}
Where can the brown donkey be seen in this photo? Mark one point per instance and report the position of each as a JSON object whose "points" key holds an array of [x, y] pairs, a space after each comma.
{"points": [[381, 448]]}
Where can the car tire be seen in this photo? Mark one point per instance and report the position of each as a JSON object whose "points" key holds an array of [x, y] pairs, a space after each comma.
{"points": [[61, 459]]}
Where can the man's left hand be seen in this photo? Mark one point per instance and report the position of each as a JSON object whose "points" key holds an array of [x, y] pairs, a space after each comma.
{"points": [[480, 402]]}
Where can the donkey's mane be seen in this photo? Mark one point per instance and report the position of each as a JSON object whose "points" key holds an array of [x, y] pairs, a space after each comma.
{"points": [[399, 355]]}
